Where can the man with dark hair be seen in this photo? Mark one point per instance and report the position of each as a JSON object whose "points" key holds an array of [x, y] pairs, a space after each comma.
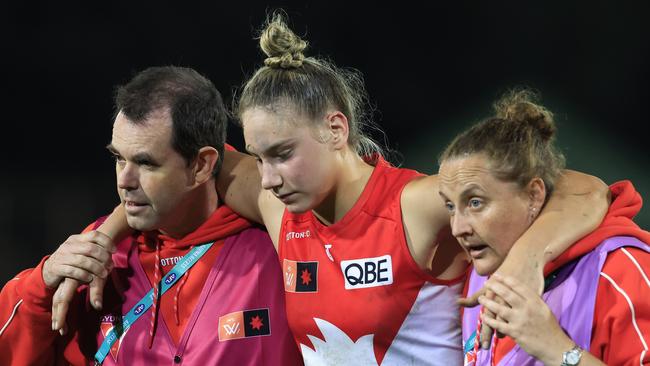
{"points": [[194, 104], [225, 303]]}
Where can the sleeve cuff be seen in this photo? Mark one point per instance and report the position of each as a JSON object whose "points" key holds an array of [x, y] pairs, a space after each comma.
{"points": [[33, 289]]}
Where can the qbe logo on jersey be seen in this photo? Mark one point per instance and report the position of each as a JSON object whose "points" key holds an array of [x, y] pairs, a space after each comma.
{"points": [[367, 272]]}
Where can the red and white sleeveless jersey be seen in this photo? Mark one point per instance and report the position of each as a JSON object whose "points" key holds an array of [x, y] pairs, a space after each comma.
{"points": [[355, 295]]}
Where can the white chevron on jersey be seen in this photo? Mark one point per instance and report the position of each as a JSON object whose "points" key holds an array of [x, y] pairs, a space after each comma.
{"points": [[337, 348]]}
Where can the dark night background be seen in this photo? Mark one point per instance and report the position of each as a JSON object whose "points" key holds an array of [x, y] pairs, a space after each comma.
{"points": [[430, 71]]}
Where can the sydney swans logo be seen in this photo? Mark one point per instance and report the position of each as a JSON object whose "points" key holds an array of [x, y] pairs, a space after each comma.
{"points": [[337, 348]]}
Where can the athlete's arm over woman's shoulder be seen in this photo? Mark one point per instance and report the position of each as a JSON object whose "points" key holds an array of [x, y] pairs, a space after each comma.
{"points": [[576, 207], [239, 186]]}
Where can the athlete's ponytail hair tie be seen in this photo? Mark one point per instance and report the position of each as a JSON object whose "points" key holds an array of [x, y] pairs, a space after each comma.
{"points": [[282, 46]]}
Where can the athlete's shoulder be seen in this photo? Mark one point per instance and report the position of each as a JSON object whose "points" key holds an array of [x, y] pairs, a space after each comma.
{"points": [[388, 182], [385, 173]]}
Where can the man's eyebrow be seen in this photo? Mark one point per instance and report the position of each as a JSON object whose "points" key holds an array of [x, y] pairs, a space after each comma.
{"points": [[143, 156], [140, 158]]}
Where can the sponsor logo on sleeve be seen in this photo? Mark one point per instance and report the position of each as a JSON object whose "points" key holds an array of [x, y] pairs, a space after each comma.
{"points": [[367, 272], [300, 276], [244, 324]]}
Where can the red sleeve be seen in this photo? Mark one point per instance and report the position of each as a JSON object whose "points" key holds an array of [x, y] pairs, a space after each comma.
{"points": [[26, 336], [621, 331]]}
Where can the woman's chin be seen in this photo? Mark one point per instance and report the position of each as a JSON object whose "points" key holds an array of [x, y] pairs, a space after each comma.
{"points": [[297, 207], [485, 266]]}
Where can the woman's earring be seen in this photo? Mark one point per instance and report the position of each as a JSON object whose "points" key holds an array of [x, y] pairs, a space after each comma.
{"points": [[533, 213]]}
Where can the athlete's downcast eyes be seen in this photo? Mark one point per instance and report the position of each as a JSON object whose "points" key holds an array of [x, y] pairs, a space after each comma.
{"points": [[280, 152]]}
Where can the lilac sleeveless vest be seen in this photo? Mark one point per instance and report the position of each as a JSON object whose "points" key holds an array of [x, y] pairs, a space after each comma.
{"points": [[571, 298], [245, 278]]}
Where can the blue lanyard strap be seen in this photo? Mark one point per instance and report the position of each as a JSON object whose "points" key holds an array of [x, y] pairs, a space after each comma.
{"points": [[469, 345], [548, 281], [145, 303]]}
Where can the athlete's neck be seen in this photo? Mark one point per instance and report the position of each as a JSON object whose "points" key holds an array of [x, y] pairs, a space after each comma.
{"points": [[353, 176]]}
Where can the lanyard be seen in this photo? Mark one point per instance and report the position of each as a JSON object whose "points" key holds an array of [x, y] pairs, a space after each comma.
{"points": [[145, 303], [471, 346]]}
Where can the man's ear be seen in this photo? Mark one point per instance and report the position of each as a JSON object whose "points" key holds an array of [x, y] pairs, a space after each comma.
{"points": [[204, 163], [338, 129]]}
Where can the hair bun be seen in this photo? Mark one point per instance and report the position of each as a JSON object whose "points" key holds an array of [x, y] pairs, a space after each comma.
{"points": [[282, 46], [520, 106]]}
